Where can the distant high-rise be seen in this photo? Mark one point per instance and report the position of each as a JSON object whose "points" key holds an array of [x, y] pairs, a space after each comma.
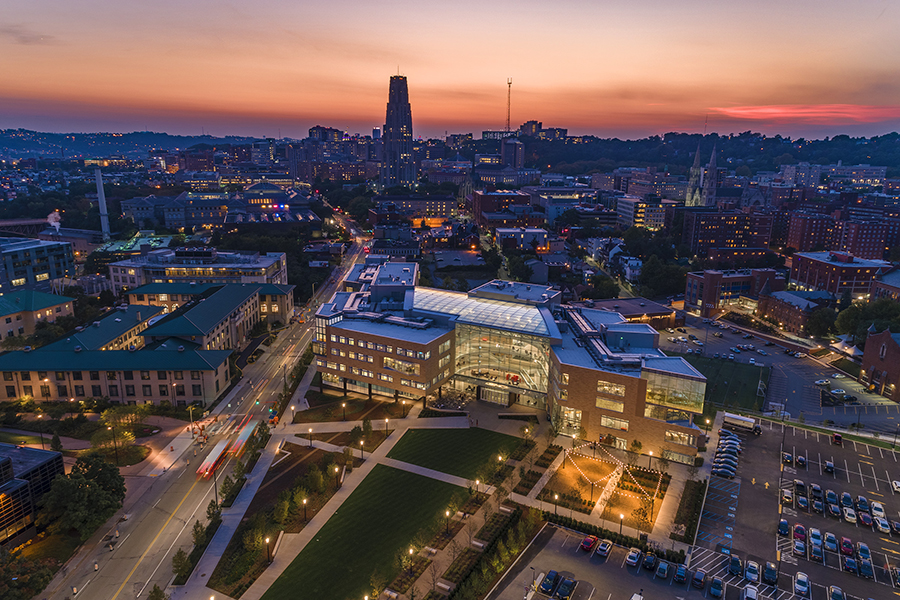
{"points": [[692, 197], [710, 182], [397, 165]]}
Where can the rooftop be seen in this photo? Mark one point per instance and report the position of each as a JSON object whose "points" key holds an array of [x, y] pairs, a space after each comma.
{"points": [[25, 459], [392, 331], [840, 259], [515, 291], [633, 307], [672, 364], [203, 315], [802, 300], [105, 330], [114, 360], [29, 300]]}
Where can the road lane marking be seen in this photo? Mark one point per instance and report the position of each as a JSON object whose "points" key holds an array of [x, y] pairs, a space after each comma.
{"points": [[163, 528]]}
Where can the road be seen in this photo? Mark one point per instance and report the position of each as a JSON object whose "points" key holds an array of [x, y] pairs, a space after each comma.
{"points": [[136, 553]]}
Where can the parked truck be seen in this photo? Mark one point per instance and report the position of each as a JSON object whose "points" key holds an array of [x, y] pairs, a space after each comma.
{"points": [[738, 422]]}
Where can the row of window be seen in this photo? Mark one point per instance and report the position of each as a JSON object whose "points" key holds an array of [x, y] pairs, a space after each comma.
{"points": [[95, 375], [340, 339], [62, 391]]}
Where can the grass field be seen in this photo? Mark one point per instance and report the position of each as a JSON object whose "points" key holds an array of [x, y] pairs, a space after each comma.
{"points": [[730, 384], [367, 534], [15, 438], [460, 452]]}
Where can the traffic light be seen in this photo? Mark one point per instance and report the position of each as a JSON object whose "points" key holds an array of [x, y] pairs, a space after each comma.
{"points": [[257, 402]]}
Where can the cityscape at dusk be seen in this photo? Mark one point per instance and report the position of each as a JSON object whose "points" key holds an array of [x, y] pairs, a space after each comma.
{"points": [[273, 69], [432, 301]]}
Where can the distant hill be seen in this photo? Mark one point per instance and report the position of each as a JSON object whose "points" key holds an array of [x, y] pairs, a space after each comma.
{"points": [[22, 143]]}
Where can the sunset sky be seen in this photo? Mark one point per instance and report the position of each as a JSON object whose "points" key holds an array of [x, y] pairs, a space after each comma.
{"points": [[625, 69]]}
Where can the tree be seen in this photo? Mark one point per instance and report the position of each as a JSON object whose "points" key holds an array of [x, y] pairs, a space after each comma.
{"points": [[158, 594], [602, 287], [181, 564], [227, 486], [84, 499], [282, 509], [213, 511], [846, 300], [198, 534], [56, 443], [367, 427], [517, 269], [662, 464], [821, 322]]}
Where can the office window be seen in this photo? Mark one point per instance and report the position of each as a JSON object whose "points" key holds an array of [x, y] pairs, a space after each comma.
{"points": [[128, 375], [76, 375], [178, 374], [79, 390], [161, 375], [195, 375], [606, 387], [146, 390], [129, 390], [113, 390], [610, 404], [565, 379], [95, 375], [680, 437], [7, 376], [444, 347], [96, 392], [26, 390], [195, 389], [110, 375], [60, 376], [163, 389], [25, 376], [613, 423], [42, 375], [10, 391], [179, 389], [62, 391]]}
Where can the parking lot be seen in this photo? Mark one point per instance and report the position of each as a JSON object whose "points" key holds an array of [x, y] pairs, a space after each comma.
{"points": [[609, 578], [741, 515]]}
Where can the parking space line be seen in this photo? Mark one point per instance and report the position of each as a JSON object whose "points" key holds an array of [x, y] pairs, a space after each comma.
{"points": [[854, 445], [820, 462], [880, 451], [847, 470], [875, 478], [861, 478], [888, 475]]}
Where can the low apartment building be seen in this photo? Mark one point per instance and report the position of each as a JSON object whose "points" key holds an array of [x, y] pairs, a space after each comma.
{"points": [[21, 310], [276, 301]]}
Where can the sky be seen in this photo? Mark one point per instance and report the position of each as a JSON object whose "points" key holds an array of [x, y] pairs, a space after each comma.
{"points": [[622, 69]]}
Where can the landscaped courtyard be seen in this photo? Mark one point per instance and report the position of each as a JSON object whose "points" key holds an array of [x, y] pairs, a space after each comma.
{"points": [[465, 453], [366, 536]]}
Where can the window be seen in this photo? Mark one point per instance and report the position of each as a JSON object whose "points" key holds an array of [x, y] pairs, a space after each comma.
{"points": [[25, 375], [401, 365], [26, 390], [96, 392], [110, 375], [9, 319], [195, 375], [95, 375], [178, 374], [680, 437], [76, 375], [113, 390], [195, 389], [443, 362], [444, 347], [62, 391], [274, 308], [608, 404], [606, 387], [179, 389], [882, 352], [79, 390], [129, 390], [128, 375], [614, 423], [145, 375], [146, 391], [384, 377], [565, 379], [563, 395], [7, 376], [60, 376], [163, 389], [161, 375], [10, 391]]}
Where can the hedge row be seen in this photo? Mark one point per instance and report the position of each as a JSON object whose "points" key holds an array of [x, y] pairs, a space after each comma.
{"points": [[688, 513]]}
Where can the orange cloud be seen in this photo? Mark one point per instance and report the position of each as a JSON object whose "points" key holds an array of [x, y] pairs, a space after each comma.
{"points": [[819, 114]]}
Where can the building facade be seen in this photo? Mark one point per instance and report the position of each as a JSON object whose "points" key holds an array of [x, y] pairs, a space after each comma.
{"points": [[26, 474], [707, 292], [880, 370], [34, 263], [21, 310], [398, 166], [836, 272]]}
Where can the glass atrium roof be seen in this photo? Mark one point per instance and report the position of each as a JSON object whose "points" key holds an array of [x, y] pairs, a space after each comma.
{"points": [[487, 313]]}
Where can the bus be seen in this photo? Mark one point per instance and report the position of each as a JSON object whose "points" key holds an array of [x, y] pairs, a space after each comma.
{"points": [[246, 431], [738, 422], [214, 459]]}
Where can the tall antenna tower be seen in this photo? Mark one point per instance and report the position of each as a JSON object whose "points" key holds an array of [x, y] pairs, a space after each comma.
{"points": [[508, 101]]}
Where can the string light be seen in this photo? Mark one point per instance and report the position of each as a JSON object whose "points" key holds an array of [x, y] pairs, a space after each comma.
{"points": [[569, 454]]}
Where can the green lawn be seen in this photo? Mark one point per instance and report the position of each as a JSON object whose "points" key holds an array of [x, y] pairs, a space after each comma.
{"points": [[16, 438], [742, 381], [367, 534], [460, 452]]}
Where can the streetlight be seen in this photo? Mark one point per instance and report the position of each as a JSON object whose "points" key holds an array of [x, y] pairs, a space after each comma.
{"points": [[410, 561], [268, 554], [115, 446], [41, 429], [310, 437], [304, 509], [650, 462], [403, 403], [385, 428], [707, 427], [621, 520], [293, 414], [555, 504], [344, 407], [447, 520], [361, 451], [477, 486], [335, 478], [532, 577]]}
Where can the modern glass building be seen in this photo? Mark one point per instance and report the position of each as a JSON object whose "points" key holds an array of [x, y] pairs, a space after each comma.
{"points": [[505, 343]]}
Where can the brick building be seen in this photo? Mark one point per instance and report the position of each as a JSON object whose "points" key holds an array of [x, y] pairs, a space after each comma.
{"points": [[791, 310], [836, 272], [880, 370], [707, 292], [705, 231]]}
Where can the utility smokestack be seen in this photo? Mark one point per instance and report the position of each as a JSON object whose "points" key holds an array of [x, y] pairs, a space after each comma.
{"points": [[101, 201]]}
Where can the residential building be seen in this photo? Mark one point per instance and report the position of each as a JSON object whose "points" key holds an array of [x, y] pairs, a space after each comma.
{"points": [[522, 238], [791, 310], [26, 474], [637, 212], [503, 343], [275, 301], [807, 232], [887, 285], [118, 329], [880, 368], [21, 310], [34, 263], [707, 292], [84, 241], [836, 272], [200, 265], [708, 230]]}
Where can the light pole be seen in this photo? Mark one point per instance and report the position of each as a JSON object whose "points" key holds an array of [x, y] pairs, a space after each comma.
{"points": [[621, 521], [310, 437], [385, 428], [555, 504], [335, 478], [410, 562], [304, 510], [447, 521], [115, 446], [477, 486], [191, 413], [707, 427], [215, 486], [41, 430], [268, 553], [650, 462], [403, 404], [344, 408], [361, 451], [293, 414], [532, 577]]}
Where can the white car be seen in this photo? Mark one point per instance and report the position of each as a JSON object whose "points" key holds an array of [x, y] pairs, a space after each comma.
{"points": [[877, 510], [849, 515], [838, 392], [751, 572], [823, 382], [896, 486], [837, 375], [815, 536], [881, 525], [801, 584], [633, 558]]}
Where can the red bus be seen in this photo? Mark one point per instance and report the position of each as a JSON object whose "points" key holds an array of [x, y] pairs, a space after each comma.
{"points": [[214, 459]]}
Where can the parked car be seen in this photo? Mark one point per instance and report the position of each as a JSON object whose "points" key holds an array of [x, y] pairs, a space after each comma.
{"points": [[799, 532], [770, 573], [865, 568], [717, 588], [751, 571], [862, 504], [787, 458], [815, 536], [829, 466], [604, 548], [799, 548], [802, 503], [736, 567], [877, 510], [587, 544], [837, 439], [834, 511], [850, 565], [846, 546], [835, 593], [633, 558], [816, 554], [815, 490], [864, 518], [895, 527], [650, 560], [862, 550], [801, 584], [699, 579], [849, 515], [549, 583], [566, 589], [662, 571], [680, 574], [783, 527], [831, 497], [787, 497], [846, 500]]}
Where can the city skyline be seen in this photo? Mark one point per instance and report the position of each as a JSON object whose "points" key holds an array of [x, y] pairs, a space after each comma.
{"points": [[804, 69]]}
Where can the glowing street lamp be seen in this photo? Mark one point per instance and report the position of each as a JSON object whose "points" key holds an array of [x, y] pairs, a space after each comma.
{"points": [[621, 520]]}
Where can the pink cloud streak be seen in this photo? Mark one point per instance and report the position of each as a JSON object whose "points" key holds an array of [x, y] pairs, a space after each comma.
{"points": [[822, 114]]}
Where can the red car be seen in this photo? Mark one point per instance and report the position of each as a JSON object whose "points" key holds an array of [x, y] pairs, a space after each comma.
{"points": [[846, 546], [799, 532], [864, 518], [587, 544]]}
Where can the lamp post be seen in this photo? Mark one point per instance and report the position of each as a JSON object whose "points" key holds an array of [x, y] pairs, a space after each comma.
{"points": [[344, 408], [477, 486], [304, 510], [532, 577], [410, 561], [650, 462], [707, 427], [310, 437], [41, 430], [293, 414], [403, 409], [215, 486], [447, 521], [621, 521], [268, 553], [191, 413], [555, 504], [115, 446], [335, 478], [385, 428]]}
